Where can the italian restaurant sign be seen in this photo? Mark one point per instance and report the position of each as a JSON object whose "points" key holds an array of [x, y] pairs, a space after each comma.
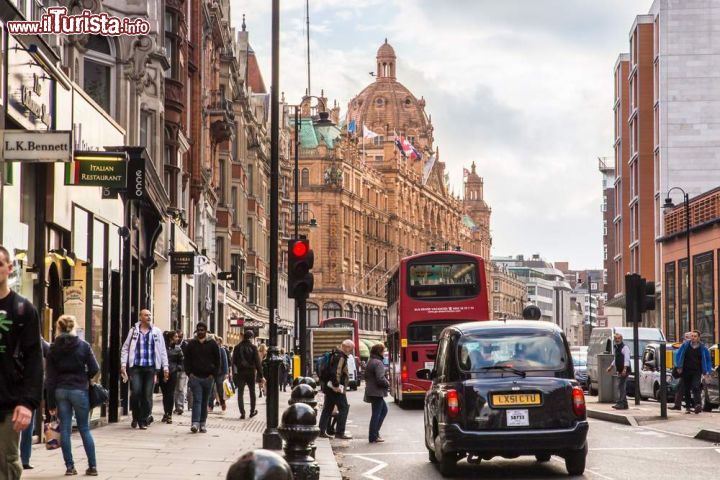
{"points": [[97, 169], [36, 146]]}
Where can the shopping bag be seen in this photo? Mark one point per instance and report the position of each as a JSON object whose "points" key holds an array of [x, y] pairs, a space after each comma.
{"points": [[229, 388], [52, 434]]}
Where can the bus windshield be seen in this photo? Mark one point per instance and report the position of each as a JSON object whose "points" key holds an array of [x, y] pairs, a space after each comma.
{"points": [[428, 280]]}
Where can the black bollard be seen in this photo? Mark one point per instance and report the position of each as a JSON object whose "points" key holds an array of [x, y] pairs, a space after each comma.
{"points": [[260, 465], [304, 393], [298, 429]]}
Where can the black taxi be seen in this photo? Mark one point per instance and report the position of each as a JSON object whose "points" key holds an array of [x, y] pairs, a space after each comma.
{"points": [[504, 388]]}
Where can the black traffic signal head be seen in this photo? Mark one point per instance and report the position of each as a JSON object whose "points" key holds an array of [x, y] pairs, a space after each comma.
{"points": [[646, 300], [300, 262]]}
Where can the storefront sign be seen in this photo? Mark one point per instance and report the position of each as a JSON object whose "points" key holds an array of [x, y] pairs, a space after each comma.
{"points": [[182, 263], [29, 89], [254, 324], [136, 177], [29, 146], [97, 169], [236, 322], [74, 302]]}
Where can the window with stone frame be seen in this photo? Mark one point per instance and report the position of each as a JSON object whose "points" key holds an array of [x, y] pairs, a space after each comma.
{"points": [[98, 72]]}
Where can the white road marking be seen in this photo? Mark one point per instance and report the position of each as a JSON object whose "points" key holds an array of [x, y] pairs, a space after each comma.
{"points": [[668, 432], [651, 448], [371, 473], [384, 453], [717, 450], [587, 470]]}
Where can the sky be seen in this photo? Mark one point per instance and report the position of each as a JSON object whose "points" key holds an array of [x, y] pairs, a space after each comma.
{"points": [[521, 87]]}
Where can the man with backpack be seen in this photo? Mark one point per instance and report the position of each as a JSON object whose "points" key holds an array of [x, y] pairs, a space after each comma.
{"points": [[247, 369], [334, 381], [21, 369]]}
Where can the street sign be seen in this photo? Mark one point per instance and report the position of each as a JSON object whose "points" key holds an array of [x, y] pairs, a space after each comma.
{"points": [[182, 263], [36, 146], [97, 169], [227, 276]]}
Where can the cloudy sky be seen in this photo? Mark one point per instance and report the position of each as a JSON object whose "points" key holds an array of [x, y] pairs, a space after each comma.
{"points": [[521, 87]]}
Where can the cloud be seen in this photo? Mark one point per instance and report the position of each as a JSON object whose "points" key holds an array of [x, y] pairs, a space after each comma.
{"points": [[523, 88]]}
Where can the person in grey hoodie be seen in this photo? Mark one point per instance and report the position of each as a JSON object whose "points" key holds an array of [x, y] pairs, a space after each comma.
{"points": [[376, 389]]}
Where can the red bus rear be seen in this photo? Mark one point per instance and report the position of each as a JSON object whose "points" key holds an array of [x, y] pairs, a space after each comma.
{"points": [[427, 293]]}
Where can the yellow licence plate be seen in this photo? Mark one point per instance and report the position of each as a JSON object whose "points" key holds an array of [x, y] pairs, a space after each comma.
{"points": [[513, 399]]}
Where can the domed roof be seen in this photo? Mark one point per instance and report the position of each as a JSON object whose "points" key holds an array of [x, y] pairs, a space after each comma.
{"points": [[386, 105], [386, 50]]}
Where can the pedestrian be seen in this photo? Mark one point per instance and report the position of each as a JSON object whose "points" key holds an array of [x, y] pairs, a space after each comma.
{"points": [[621, 363], [680, 389], [282, 375], [694, 365], [21, 369], [143, 354], [202, 362], [219, 389], [26, 437], [71, 364], [175, 362], [334, 381], [376, 389], [181, 384], [247, 369], [262, 351]]}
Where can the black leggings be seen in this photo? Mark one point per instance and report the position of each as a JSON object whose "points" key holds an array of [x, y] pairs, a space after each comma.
{"points": [[168, 392]]}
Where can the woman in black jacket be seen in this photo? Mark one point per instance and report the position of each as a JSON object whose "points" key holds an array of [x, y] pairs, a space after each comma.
{"points": [[70, 365], [376, 389], [175, 365]]}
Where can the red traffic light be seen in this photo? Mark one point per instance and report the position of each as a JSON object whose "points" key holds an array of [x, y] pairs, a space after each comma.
{"points": [[300, 249]]}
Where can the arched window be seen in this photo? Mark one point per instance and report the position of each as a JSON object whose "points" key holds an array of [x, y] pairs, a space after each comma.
{"points": [[378, 323], [368, 318], [313, 315], [359, 317], [305, 177], [331, 309], [348, 310], [99, 72], [384, 318]]}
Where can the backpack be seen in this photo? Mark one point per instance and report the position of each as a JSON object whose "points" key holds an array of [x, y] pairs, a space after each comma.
{"points": [[243, 351], [325, 366], [18, 367]]}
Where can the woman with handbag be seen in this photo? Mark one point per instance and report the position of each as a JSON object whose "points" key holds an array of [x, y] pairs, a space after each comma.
{"points": [[70, 366], [175, 361], [376, 389]]}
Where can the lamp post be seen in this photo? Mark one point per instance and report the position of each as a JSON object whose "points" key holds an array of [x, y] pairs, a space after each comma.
{"points": [[669, 204]]}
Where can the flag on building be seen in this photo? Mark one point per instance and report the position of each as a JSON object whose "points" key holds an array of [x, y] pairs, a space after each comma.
{"points": [[407, 149], [427, 168], [367, 133], [351, 127]]}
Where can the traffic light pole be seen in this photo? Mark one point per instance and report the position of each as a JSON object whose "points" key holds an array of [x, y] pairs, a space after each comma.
{"points": [[271, 436], [636, 360]]}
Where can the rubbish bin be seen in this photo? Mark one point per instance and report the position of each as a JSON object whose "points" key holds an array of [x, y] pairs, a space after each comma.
{"points": [[606, 383]]}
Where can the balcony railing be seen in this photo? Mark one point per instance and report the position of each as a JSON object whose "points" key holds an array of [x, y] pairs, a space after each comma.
{"points": [[703, 209]]}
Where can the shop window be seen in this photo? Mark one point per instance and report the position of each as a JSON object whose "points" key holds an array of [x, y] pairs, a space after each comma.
{"points": [[703, 296], [313, 315], [683, 293], [670, 311], [305, 178], [331, 309], [98, 78]]}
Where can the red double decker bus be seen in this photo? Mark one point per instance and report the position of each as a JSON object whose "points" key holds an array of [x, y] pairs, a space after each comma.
{"points": [[427, 293]]}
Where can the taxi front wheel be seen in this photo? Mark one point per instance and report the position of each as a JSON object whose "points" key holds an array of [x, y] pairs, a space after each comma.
{"points": [[575, 461]]}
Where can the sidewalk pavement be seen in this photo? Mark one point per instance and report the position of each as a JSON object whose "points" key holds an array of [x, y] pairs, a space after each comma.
{"points": [[703, 426], [172, 451]]}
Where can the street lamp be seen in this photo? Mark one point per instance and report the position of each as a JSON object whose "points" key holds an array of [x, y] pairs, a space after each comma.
{"points": [[669, 204]]}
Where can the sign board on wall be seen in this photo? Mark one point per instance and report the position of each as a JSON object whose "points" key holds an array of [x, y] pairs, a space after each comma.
{"points": [[182, 263], [28, 146], [74, 302], [97, 169]]}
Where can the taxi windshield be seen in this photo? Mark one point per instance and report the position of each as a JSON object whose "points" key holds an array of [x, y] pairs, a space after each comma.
{"points": [[526, 351]]}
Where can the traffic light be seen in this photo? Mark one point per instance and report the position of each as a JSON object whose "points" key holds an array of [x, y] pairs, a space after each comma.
{"points": [[300, 262], [647, 295], [639, 296]]}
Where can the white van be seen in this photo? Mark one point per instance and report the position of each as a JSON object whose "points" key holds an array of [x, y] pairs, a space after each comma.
{"points": [[601, 340]]}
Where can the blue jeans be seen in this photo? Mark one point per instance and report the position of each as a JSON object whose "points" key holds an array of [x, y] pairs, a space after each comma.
{"points": [[142, 381], [69, 401], [333, 399], [201, 389], [26, 441], [379, 410]]}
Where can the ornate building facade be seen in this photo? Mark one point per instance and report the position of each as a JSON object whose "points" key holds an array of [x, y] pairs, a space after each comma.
{"points": [[372, 205]]}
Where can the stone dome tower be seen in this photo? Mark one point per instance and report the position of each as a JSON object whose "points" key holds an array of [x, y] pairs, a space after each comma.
{"points": [[474, 201], [387, 107]]}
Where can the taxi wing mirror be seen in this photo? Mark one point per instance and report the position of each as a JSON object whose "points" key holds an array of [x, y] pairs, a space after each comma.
{"points": [[424, 374]]}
